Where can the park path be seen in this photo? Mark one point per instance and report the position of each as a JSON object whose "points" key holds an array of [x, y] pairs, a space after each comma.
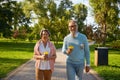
{"points": [[26, 71]]}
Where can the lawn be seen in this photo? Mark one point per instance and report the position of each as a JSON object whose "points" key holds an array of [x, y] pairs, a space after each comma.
{"points": [[15, 53], [112, 71]]}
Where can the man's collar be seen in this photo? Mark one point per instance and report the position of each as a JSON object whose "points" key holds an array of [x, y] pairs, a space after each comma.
{"points": [[76, 34]]}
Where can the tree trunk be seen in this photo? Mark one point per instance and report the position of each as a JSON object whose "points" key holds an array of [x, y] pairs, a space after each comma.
{"points": [[104, 35]]}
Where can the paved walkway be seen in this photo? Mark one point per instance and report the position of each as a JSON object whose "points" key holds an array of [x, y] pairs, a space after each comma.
{"points": [[26, 71]]}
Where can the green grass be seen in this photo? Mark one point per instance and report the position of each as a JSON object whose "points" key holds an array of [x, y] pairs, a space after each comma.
{"points": [[13, 54], [112, 71]]}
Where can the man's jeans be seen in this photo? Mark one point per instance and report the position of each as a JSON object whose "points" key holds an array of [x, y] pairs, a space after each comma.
{"points": [[74, 70]]}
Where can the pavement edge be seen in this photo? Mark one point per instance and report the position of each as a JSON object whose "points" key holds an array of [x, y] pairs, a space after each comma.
{"points": [[10, 74], [96, 75]]}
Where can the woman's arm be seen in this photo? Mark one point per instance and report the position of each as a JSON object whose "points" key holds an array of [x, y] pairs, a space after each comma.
{"points": [[41, 57], [37, 54]]}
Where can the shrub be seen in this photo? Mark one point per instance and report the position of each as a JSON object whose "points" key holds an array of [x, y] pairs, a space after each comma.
{"points": [[116, 44]]}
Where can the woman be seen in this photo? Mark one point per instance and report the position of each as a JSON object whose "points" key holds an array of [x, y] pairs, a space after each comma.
{"points": [[45, 55]]}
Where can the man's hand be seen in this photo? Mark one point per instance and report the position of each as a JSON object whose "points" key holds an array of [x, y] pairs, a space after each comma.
{"points": [[69, 51], [87, 68]]}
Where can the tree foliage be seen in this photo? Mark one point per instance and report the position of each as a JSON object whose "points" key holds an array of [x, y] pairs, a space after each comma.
{"points": [[11, 16], [6, 15], [55, 16], [80, 14], [51, 14], [106, 15]]}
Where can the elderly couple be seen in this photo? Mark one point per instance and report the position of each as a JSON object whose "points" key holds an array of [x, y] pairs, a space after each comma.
{"points": [[75, 46]]}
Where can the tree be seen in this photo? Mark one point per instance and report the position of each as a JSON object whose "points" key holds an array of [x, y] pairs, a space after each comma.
{"points": [[19, 17], [11, 16], [49, 15], [55, 16], [106, 15], [89, 32], [6, 15], [80, 14]]}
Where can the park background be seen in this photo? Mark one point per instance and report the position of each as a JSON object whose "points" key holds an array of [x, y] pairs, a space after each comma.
{"points": [[21, 22]]}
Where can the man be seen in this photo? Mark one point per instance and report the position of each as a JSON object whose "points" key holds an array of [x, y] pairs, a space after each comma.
{"points": [[75, 46]]}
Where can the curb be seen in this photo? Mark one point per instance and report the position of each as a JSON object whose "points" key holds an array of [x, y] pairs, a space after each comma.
{"points": [[95, 74], [10, 74]]}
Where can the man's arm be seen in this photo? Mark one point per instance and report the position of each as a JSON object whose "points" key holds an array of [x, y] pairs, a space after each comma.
{"points": [[87, 55], [64, 47]]}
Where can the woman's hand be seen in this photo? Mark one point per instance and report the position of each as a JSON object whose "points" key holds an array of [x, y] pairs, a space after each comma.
{"points": [[51, 57], [40, 57]]}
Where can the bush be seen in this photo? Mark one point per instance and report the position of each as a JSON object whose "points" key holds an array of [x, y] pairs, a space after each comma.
{"points": [[116, 44]]}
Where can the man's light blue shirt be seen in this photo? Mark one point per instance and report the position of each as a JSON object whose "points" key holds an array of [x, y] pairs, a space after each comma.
{"points": [[79, 52]]}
